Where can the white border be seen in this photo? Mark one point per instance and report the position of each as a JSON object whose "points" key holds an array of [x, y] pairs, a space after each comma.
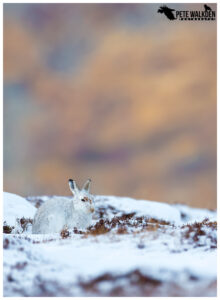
{"points": [[1, 107]]}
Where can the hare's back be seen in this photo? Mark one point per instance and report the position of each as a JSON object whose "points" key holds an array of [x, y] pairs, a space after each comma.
{"points": [[54, 206], [51, 214]]}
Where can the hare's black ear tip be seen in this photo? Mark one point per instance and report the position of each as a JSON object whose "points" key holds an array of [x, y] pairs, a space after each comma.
{"points": [[70, 180]]}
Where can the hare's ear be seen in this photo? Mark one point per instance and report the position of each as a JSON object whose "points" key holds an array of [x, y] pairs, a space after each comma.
{"points": [[73, 186], [86, 186]]}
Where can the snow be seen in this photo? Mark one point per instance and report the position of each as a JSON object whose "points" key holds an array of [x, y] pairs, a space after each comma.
{"points": [[16, 207], [157, 210], [47, 265], [196, 214], [124, 259]]}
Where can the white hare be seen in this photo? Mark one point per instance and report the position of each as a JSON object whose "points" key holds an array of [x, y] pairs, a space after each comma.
{"points": [[57, 214]]}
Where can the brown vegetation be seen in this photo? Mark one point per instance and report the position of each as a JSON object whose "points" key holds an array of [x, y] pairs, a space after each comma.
{"points": [[193, 232]]}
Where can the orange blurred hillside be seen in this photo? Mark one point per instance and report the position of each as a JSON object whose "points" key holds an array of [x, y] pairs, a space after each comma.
{"points": [[114, 92]]}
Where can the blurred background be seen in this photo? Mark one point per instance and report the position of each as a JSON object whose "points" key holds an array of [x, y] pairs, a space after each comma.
{"points": [[112, 92]]}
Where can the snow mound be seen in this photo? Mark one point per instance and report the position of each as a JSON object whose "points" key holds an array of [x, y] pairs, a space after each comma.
{"points": [[191, 214], [150, 209], [16, 207]]}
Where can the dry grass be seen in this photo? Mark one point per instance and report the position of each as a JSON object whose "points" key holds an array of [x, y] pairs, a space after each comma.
{"points": [[7, 229], [193, 232]]}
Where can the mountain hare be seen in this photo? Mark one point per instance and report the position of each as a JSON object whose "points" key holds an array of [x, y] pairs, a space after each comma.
{"points": [[59, 213]]}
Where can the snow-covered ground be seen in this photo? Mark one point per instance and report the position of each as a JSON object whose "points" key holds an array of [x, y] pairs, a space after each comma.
{"points": [[15, 207], [134, 248]]}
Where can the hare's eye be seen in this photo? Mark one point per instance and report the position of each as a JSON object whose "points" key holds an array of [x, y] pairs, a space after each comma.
{"points": [[83, 200]]}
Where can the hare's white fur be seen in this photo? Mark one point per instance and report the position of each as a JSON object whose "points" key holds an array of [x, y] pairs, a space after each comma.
{"points": [[57, 214]]}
